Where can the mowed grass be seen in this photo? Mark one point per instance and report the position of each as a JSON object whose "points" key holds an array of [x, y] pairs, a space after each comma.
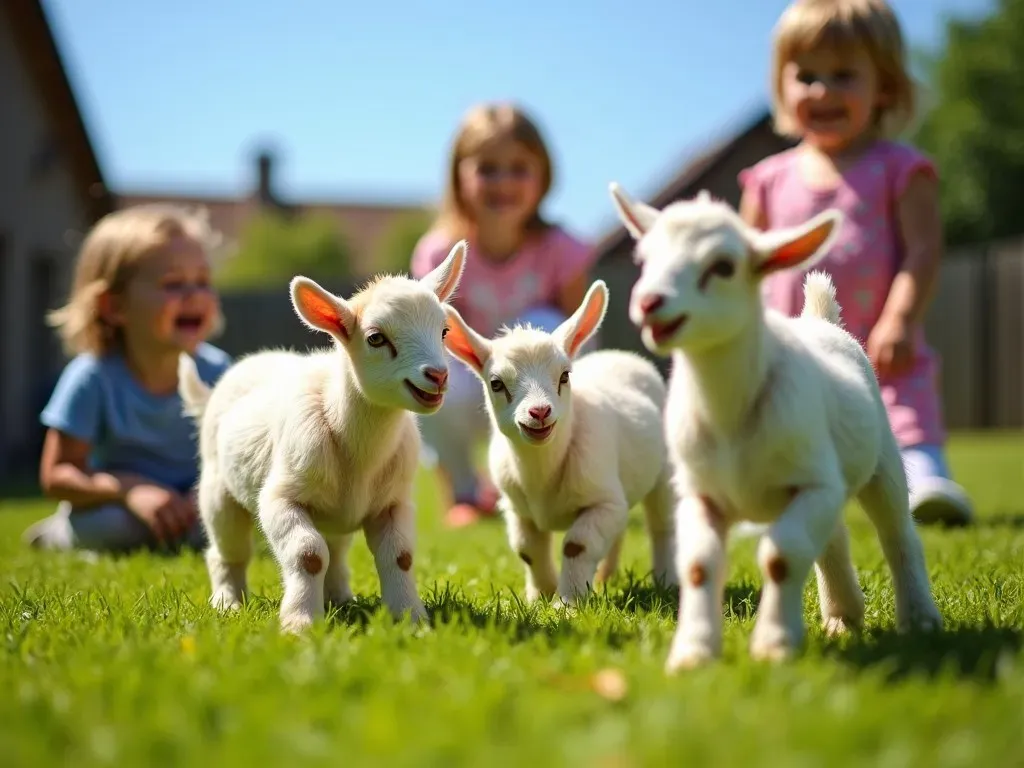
{"points": [[120, 661]]}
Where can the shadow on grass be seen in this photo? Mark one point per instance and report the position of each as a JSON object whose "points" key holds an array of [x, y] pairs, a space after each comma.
{"points": [[967, 652], [1002, 520], [504, 612]]}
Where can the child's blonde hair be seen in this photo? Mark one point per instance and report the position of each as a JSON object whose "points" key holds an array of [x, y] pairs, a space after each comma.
{"points": [[107, 261], [484, 124], [871, 24]]}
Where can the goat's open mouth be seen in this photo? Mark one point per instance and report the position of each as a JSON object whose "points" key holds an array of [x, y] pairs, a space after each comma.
{"points": [[429, 399], [661, 332], [537, 433]]}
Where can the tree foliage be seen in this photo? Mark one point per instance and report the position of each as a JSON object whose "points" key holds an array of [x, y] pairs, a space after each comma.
{"points": [[272, 248], [974, 128], [394, 251]]}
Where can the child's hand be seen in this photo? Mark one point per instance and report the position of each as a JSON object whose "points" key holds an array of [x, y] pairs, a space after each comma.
{"points": [[168, 514], [891, 347]]}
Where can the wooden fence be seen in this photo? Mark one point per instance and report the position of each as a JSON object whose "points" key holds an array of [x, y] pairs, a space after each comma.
{"points": [[976, 324]]}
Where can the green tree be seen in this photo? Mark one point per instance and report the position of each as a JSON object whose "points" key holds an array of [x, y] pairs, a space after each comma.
{"points": [[273, 248], [975, 125], [395, 247]]}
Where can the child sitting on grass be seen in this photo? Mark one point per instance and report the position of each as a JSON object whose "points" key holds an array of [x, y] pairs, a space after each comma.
{"points": [[119, 454]]}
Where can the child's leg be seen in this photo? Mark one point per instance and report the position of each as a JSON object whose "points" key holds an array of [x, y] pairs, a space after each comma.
{"points": [[934, 497], [451, 431], [110, 528]]}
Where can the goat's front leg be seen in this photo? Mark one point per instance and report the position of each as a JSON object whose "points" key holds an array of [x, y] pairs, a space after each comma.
{"points": [[786, 553], [587, 543], [534, 548], [302, 556], [391, 536], [701, 532], [337, 589]]}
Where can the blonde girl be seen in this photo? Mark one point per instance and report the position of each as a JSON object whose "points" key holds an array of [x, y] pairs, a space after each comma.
{"points": [[118, 452], [521, 268], [840, 86]]}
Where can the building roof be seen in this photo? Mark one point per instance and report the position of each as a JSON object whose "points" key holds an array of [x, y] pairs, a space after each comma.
{"points": [[34, 38], [690, 178]]}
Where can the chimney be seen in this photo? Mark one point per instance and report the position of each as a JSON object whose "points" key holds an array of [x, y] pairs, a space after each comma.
{"points": [[264, 170]]}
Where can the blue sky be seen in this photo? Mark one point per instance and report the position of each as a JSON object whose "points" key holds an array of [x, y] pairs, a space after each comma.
{"points": [[361, 99]]}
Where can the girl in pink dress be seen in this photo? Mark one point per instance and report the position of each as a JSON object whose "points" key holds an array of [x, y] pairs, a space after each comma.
{"points": [[840, 86], [520, 268]]}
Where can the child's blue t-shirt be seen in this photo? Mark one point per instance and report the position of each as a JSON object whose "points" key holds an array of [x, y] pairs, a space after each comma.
{"points": [[131, 430]]}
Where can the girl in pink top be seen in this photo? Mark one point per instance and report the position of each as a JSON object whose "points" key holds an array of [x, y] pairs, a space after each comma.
{"points": [[840, 85], [520, 268]]}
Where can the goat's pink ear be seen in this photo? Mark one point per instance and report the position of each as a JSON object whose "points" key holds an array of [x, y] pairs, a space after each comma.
{"points": [[799, 246], [444, 278], [321, 310], [464, 343], [577, 330], [637, 217]]}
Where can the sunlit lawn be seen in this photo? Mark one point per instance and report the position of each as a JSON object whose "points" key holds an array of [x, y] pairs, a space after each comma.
{"points": [[120, 661]]}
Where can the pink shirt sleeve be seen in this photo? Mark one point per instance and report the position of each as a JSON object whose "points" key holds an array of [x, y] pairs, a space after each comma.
{"points": [[905, 161], [429, 252], [571, 257]]}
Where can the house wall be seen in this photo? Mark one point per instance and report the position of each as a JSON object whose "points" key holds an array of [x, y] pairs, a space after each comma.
{"points": [[40, 214]]}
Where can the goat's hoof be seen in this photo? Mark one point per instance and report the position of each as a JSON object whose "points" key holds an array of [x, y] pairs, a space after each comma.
{"points": [[923, 618], [338, 598], [837, 626], [226, 600], [686, 655], [417, 613], [775, 650], [296, 623]]}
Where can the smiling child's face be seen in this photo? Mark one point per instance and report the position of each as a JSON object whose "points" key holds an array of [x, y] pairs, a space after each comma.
{"points": [[169, 302], [833, 94], [501, 183]]}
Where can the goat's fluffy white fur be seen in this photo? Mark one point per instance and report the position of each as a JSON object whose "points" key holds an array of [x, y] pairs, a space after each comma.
{"points": [[575, 444], [318, 446], [770, 419]]}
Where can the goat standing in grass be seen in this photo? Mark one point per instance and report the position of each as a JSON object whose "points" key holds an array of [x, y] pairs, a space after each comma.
{"points": [[770, 419], [575, 443], [319, 446]]}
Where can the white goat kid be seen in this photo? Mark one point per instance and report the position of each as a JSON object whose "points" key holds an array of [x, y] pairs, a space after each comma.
{"points": [[574, 446], [317, 446], [770, 419]]}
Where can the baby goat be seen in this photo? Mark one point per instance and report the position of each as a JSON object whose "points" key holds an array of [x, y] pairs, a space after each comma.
{"points": [[770, 419], [574, 445], [317, 446]]}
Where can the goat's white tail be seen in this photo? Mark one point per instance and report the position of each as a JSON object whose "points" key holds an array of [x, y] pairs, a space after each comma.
{"points": [[193, 391], [820, 298]]}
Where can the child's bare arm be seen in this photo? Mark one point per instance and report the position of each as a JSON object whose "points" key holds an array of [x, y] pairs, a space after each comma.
{"points": [[920, 226], [64, 475], [751, 211]]}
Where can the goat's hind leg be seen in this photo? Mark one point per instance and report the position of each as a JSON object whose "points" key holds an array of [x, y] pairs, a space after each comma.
{"points": [[337, 587], [886, 501], [659, 514], [229, 531], [839, 592]]}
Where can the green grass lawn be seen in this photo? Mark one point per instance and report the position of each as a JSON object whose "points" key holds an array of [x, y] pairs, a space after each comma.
{"points": [[120, 661]]}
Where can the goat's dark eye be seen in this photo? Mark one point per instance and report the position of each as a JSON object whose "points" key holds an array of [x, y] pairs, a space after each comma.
{"points": [[565, 378], [444, 332], [723, 268], [376, 339], [497, 385]]}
